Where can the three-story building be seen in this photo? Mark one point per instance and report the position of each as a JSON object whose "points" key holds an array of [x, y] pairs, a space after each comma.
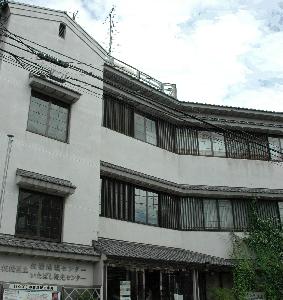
{"points": [[112, 188]]}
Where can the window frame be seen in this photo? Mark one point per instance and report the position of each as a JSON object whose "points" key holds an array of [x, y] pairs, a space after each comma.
{"points": [[211, 136], [50, 100], [62, 28], [38, 237], [157, 224], [280, 140], [145, 118]]}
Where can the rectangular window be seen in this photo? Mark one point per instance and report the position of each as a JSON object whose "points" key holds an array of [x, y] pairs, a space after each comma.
{"points": [[211, 143], [186, 141], [225, 214], [62, 30], [39, 216], [146, 207], [116, 199], [117, 116], [48, 116], [145, 129], [204, 142], [275, 146], [210, 214]]}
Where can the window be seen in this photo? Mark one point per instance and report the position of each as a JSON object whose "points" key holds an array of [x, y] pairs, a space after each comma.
{"points": [[210, 214], [62, 30], [186, 141], [146, 207], [225, 214], [117, 199], [48, 116], [275, 144], [39, 216], [211, 143], [145, 129]]}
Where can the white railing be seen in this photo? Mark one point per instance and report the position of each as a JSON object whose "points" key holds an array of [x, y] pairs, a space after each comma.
{"points": [[167, 88]]}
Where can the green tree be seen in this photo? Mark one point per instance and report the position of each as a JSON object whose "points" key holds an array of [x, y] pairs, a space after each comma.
{"points": [[258, 264]]}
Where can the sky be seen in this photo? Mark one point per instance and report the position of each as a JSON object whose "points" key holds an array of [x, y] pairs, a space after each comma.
{"points": [[226, 52]]}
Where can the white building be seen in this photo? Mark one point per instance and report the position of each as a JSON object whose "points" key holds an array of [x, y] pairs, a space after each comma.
{"points": [[111, 184]]}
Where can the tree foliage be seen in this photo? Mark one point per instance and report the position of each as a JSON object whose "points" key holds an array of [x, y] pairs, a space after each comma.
{"points": [[258, 258]]}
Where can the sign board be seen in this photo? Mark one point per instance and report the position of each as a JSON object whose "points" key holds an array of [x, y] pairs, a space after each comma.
{"points": [[125, 290], [13, 294], [42, 272]]}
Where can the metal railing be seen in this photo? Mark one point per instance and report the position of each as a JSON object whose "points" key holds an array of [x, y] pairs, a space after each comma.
{"points": [[78, 293], [167, 88]]}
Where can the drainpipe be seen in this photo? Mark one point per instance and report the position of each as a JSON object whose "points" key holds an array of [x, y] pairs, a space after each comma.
{"points": [[6, 167], [195, 285]]}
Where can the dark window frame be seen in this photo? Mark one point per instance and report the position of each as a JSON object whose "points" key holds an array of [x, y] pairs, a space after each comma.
{"points": [[50, 100], [146, 213], [279, 138], [38, 236], [170, 136], [181, 207], [146, 117], [62, 30]]}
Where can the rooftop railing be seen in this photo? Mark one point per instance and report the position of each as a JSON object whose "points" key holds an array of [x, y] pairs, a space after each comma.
{"points": [[167, 88]]}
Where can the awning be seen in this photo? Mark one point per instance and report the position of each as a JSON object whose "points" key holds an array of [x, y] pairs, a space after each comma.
{"points": [[123, 250]]}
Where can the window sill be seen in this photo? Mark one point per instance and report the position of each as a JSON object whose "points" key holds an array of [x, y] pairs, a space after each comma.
{"points": [[65, 142]]}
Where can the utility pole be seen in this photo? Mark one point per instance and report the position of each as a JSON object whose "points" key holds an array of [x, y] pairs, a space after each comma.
{"points": [[6, 167]]}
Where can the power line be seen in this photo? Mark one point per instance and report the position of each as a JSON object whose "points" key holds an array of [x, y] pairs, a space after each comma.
{"points": [[246, 136]]}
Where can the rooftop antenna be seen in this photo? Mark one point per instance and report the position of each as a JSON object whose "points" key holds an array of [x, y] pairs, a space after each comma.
{"points": [[111, 29], [74, 15]]}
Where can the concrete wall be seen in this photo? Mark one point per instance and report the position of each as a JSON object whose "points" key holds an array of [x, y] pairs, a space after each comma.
{"points": [[212, 243], [183, 169], [78, 160], [189, 169]]}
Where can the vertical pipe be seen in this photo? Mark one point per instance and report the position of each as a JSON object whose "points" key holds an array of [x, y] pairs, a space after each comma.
{"points": [[195, 285], [6, 167], [161, 291], [105, 283]]}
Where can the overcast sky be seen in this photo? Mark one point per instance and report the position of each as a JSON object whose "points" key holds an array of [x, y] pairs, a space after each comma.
{"points": [[227, 52]]}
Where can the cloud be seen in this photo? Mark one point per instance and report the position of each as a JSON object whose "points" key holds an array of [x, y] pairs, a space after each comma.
{"points": [[222, 52]]}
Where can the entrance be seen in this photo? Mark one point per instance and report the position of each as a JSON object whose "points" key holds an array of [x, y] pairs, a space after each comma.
{"points": [[148, 284]]}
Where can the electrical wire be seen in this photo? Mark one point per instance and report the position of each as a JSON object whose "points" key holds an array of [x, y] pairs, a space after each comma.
{"points": [[246, 135]]}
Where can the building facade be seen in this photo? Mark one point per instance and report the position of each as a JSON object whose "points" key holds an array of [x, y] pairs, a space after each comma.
{"points": [[111, 187]]}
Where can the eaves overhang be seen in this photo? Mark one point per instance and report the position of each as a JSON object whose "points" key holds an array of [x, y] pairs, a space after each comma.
{"points": [[129, 89], [12, 245], [118, 251], [152, 182]]}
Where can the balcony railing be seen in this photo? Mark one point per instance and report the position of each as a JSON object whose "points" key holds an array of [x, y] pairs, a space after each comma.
{"points": [[167, 88]]}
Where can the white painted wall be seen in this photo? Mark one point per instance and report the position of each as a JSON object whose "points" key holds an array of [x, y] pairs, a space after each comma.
{"points": [[212, 243], [188, 169], [78, 160]]}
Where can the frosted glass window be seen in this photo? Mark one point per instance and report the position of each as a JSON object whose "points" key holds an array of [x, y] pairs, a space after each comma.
{"points": [[145, 129], [48, 117], [210, 214], [225, 214], [204, 141], [218, 144], [277, 145], [146, 207]]}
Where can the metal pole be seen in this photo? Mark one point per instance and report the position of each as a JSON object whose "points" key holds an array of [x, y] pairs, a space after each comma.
{"points": [[6, 167]]}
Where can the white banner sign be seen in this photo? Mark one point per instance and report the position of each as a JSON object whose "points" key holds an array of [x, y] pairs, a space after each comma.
{"points": [[11, 294]]}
